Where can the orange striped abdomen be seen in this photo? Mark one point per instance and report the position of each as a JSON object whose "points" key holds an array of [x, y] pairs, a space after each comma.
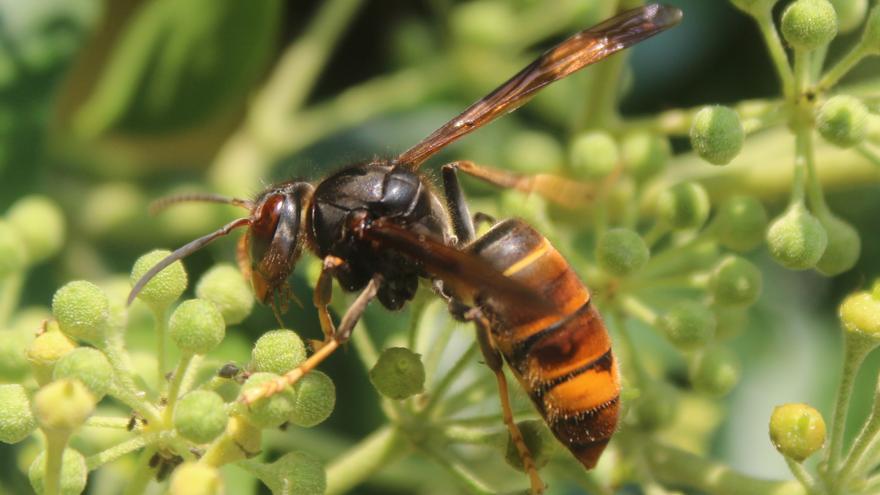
{"points": [[563, 360]]}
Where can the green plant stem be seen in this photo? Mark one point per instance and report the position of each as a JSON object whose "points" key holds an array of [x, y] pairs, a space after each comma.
{"points": [[855, 351], [872, 485], [111, 454], [755, 115], [600, 107], [801, 474], [488, 419], [639, 310], [764, 19], [380, 448], [55, 445], [174, 388], [124, 387], [468, 480], [798, 183], [438, 391], [869, 154], [476, 436], [842, 67], [138, 482], [869, 433], [628, 346], [161, 329], [108, 422], [434, 352], [679, 468], [10, 291]]}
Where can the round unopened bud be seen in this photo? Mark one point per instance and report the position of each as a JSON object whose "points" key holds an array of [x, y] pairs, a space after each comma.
{"points": [[644, 154], [196, 326], [860, 314], [295, 472], [63, 405], [200, 416], [46, 350], [74, 473], [224, 286], [399, 373], [13, 358], [656, 406], [166, 286], [850, 13], [741, 223], [13, 252], [717, 134], [796, 239], [593, 155], [40, 224], [797, 430], [688, 325], [715, 371], [844, 247], [683, 206], [809, 24], [530, 151], [621, 251], [195, 478], [90, 366], [278, 351], [871, 34], [268, 412], [735, 282], [731, 321], [315, 399], [843, 121], [16, 419], [82, 311], [539, 441]]}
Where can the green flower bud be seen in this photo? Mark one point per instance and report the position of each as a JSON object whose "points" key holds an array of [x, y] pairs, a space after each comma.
{"points": [[644, 154], [871, 35], [73, 473], [193, 478], [796, 239], [735, 282], [532, 152], [398, 374], [688, 325], [539, 441], [278, 351], [13, 360], [593, 155], [843, 120], [16, 419], [166, 286], [656, 406], [241, 440], [754, 7], [850, 13], [13, 255], [717, 134], [196, 326], [844, 247], [200, 416], [63, 406], [46, 350], [225, 286], [272, 411], [797, 430], [40, 224], [731, 322], [741, 223], [82, 311], [809, 24], [315, 399], [621, 251], [683, 206], [294, 472], [715, 371], [860, 313], [485, 23], [90, 366]]}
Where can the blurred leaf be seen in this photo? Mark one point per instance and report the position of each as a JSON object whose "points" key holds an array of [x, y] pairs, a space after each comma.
{"points": [[180, 63]]}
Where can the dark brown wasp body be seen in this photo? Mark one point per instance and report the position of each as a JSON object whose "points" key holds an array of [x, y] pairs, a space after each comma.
{"points": [[380, 226]]}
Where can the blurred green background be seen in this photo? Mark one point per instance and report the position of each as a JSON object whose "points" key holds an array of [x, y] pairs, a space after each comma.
{"points": [[105, 106]]}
